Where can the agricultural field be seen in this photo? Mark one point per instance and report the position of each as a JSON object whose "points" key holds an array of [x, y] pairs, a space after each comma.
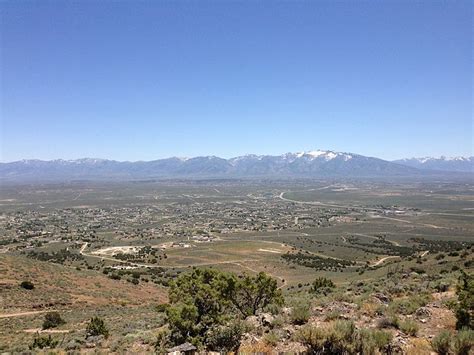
{"points": [[113, 249]]}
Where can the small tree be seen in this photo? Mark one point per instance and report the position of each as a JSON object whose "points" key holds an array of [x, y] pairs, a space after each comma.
{"points": [[41, 342], [97, 327], [205, 299], [250, 294], [52, 320], [322, 285], [27, 285]]}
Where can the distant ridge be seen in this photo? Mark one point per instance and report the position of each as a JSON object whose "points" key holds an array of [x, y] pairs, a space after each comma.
{"points": [[316, 163], [460, 164]]}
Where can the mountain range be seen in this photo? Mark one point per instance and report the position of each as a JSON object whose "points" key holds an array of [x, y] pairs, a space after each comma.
{"points": [[460, 164], [318, 163]]}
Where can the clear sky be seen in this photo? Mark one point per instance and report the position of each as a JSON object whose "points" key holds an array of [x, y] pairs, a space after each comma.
{"points": [[141, 80]]}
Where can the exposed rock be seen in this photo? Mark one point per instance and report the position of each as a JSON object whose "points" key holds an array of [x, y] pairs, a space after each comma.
{"points": [[94, 340], [423, 312], [253, 321], [185, 348], [291, 348], [263, 319], [266, 319], [342, 307], [286, 311], [74, 344], [381, 297]]}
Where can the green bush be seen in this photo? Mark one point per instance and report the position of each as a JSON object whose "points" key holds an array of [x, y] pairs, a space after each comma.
{"points": [[463, 342], [440, 256], [271, 338], [388, 322], [300, 313], [409, 327], [27, 285], [442, 342], [409, 305], [322, 285], [162, 307], [373, 340], [343, 338], [41, 342], [225, 339], [163, 340], [52, 320], [465, 308], [332, 315], [441, 287], [313, 337], [97, 327]]}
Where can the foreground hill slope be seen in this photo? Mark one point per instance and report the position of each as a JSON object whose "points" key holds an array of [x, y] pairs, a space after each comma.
{"points": [[77, 295]]}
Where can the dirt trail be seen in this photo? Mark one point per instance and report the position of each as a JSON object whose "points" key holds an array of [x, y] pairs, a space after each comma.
{"points": [[22, 314], [49, 331], [413, 223], [380, 261], [315, 203]]}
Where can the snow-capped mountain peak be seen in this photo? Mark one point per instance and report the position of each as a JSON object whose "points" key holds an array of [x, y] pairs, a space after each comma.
{"points": [[325, 154], [443, 163]]}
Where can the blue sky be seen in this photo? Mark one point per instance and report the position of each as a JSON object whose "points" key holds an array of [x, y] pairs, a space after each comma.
{"points": [[144, 80]]}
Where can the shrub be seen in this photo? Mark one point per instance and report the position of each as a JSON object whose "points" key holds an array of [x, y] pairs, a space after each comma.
{"points": [[373, 340], [441, 287], [162, 307], [271, 338], [465, 308], [313, 337], [41, 342], [409, 305], [300, 313], [27, 285], [387, 322], [343, 338], [322, 285], [463, 342], [52, 320], [332, 315], [440, 256], [97, 327], [225, 339], [163, 340], [442, 342], [409, 327]]}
